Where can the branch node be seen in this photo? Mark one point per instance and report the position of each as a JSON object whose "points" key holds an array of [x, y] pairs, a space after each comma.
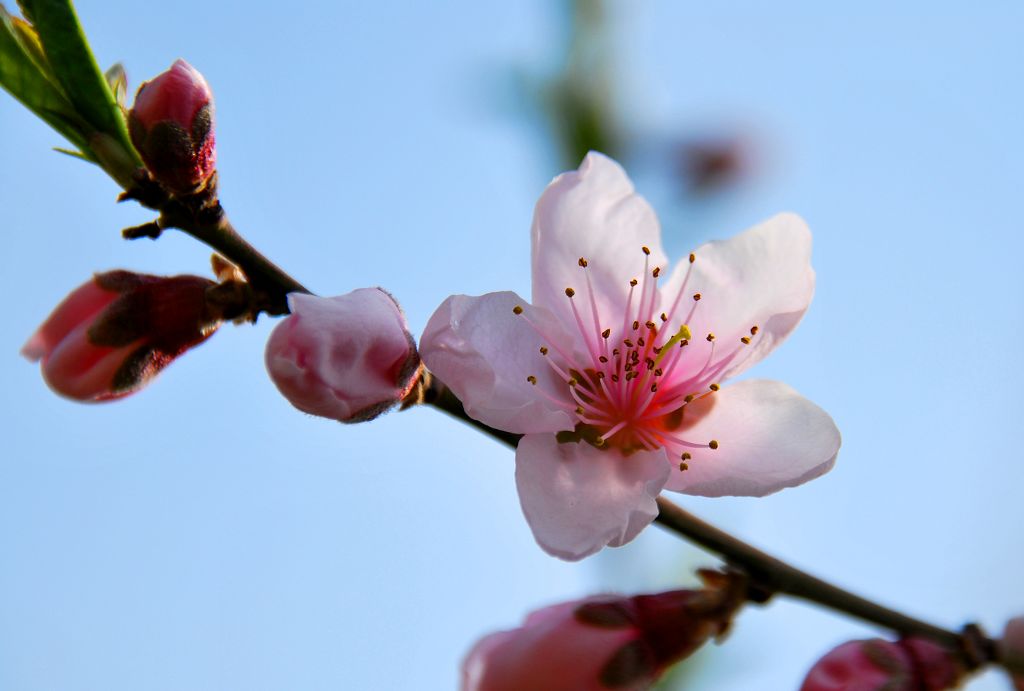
{"points": [[151, 230]]}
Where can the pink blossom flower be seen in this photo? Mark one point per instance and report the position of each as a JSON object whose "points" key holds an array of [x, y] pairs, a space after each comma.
{"points": [[600, 643], [911, 664], [349, 358], [114, 333], [171, 125], [613, 372]]}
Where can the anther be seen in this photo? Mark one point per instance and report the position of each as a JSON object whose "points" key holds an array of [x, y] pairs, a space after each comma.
{"points": [[683, 467], [683, 343], [599, 441], [753, 331], [658, 372], [571, 382], [664, 317], [569, 292], [714, 387], [583, 262], [656, 272], [654, 387], [693, 257], [518, 309], [689, 398], [646, 249], [599, 375], [579, 410], [615, 352], [602, 358], [745, 340], [543, 350], [532, 379], [632, 282], [606, 333], [650, 325], [711, 337], [713, 444], [686, 456], [640, 341], [628, 343], [615, 378], [636, 325], [696, 297]]}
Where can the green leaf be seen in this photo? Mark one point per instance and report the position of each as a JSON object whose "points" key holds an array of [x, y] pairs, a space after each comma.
{"points": [[23, 73], [74, 66]]}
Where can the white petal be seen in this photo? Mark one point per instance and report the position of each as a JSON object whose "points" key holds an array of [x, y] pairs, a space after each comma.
{"points": [[577, 498], [484, 353], [594, 213], [761, 277], [770, 437]]}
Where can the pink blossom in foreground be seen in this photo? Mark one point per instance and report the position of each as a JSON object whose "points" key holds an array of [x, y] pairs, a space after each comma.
{"points": [[613, 372], [600, 643], [911, 664], [114, 333], [349, 358], [171, 125], [1011, 650]]}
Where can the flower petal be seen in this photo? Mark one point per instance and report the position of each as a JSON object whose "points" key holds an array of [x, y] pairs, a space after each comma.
{"points": [[770, 437], [761, 277], [484, 353], [592, 212], [578, 498]]}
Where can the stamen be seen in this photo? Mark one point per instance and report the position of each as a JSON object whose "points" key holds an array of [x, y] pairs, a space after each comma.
{"points": [[710, 337], [656, 272], [543, 350], [518, 309], [532, 379], [753, 330], [569, 292], [745, 340], [606, 333], [693, 257], [646, 250], [714, 387], [583, 262], [713, 444], [696, 297]]}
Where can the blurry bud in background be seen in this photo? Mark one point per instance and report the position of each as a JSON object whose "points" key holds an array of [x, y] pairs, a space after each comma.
{"points": [[708, 165], [113, 334], [910, 664], [604, 642], [348, 358], [1011, 651], [171, 125]]}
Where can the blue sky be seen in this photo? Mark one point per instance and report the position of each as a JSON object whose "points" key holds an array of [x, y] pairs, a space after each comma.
{"points": [[205, 535]]}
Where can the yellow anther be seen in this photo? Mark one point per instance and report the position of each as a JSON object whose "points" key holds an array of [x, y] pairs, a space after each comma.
{"points": [[656, 272], [664, 317], [583, 262], [569, 292], [571, 382], [628, 343], [532, 379], [599, 441], [646, 249], [710, 337], [693, 257], [713, 444], [689, 398], [696, 297], [683, 467], [636, 325], [745, 340], [650, 325], [518, 309], [632, 282], [686, 456], [579, 410], [714, 387], [543, 350], [753, 331], [606, 333]]}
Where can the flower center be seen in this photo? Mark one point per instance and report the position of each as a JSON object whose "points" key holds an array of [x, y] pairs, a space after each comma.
{"points": [[637, 384]]}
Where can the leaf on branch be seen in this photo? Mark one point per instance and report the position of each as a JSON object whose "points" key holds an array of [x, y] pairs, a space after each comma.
{"points": [[25, 73]]}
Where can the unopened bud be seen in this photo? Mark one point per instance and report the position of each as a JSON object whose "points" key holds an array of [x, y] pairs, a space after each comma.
{"points": [[604, 642], [171, 125], [113, 334], [1011, 651], [348, 358], [910, 664]]}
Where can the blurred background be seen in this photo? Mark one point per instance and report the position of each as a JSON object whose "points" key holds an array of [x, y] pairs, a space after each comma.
{"points": [[203, 534]]}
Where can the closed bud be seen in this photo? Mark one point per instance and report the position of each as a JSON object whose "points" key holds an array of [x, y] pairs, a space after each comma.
{"points": [[171, 125], [348, 358], [605, 642], [910, 664], [1011, 651], [113, 334]]}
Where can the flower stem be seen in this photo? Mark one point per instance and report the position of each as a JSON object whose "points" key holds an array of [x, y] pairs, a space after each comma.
{"points": [[770, 574]]}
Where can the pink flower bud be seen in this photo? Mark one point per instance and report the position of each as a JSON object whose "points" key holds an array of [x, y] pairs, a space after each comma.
{"points": [[600, 643], [171, 125], [911, 664], [113, 334], [349, 358], [1011, 651]]}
